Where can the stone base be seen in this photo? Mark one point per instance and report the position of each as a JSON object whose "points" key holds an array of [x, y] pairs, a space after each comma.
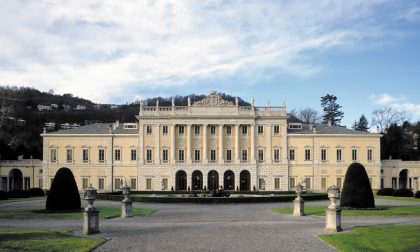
{"points": [[298, 209], [90, 221], [333, 220], [126, 208]]}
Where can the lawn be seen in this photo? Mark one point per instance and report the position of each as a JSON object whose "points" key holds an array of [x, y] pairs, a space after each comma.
{"points": [[383, 211], [10, 200], [45, 240], [105, 212], [398, 198], [377, 238]]}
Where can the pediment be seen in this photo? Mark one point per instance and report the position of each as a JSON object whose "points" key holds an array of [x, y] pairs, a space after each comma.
{"points": [[213, 100]]}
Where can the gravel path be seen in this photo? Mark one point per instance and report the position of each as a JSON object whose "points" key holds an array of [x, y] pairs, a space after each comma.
{"points": [[183, 227]]}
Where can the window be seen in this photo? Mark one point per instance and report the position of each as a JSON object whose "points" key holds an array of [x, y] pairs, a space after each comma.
{"points": [[149, 155], [244, 130], [339, 155], [133, 155], [394, 183], [85, 183], [27, 183], [354, 154], [117, 155], [276, 130], [117, 183], [148, 184], [149, 129], [85, 155], [323, 183], [165, 129], [212, 130], [101, 155], [53, 155], [260, 155], [277, 183], [69, 155], [382, 183], [292, 154], [244, 155], [261, 184], [101, 183], [196, 130], [133, 183], [339, 182], [308, 183], [276, 155], [292, 183], [307, 154], [197, 155], [181, 130], [228, 155], [370, 182], [295, 126], [164, 184], [323, 155], [51, 181], [165, 155], [260, 130], [213, 155], [369, 155], [181, 155], [40, 183], [228, 130]]}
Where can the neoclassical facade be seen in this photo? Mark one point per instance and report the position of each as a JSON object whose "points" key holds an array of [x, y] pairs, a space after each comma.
{"points": [[210, 143]]}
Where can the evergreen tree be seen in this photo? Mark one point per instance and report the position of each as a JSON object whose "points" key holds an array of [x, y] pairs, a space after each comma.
{"points": [[331, 109], [361, 125]]}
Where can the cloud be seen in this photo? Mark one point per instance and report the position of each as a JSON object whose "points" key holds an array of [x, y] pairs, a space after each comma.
{"points": [[383, 99], [97, 49], [399, 103], [411, 108]]}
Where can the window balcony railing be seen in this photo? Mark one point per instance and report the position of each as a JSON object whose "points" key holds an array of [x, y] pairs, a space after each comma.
{"points": [[180, 161]]}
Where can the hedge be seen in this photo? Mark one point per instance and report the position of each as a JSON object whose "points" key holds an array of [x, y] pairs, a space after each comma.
{"points": [[403, 192], [385, 192]]}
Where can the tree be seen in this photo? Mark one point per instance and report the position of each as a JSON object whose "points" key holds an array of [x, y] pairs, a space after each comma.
{"points": [[362, 124], [384, 118], [331, 109], [309, 115], [63, 195], [357, 192]]}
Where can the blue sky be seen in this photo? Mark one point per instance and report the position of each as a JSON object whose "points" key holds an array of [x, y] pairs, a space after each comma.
{"points": [[366, 53]]}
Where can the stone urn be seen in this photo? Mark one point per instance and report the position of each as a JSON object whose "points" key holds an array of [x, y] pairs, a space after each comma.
{"points": [[333, 195], [90, 196], [299, 190]]}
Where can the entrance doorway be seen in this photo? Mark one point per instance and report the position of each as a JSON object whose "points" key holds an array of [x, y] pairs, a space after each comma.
{"points": [[181, 181], [213, 180], [197, 180], [245, 180], [403, 179], [229, 180], [15, 180]]}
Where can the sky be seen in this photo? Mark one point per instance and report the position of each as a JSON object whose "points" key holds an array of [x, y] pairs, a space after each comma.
{"points": [[367, 53]]}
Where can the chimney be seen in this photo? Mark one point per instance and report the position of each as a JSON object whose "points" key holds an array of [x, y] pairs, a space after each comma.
{"points": [[329, 122], [314, 129], [117, 124]]}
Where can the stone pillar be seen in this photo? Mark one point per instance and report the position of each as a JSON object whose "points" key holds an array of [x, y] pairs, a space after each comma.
{"points": [[268, 158], [90, 213], [298, 209], [237, 151], [173, 147], [333, 213], [189, 144], [126, 203], [221, 147], [205, 159], [141, 144], [253, 144], [157, 145]]}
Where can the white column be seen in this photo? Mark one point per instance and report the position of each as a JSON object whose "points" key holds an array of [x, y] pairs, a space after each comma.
{"points": [[205, 159], [173, 148], [221, 141], [157, 145], [237, 152], [252, 143], [141, 144], [269, 145], [189, 144]]}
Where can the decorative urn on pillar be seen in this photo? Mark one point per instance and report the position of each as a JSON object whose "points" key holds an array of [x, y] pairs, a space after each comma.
{"points": [[90, 214], [126, 203], [298, 209], [333, 213]]}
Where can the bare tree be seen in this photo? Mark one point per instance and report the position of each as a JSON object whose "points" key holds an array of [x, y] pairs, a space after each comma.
{"points": [[6, 109], [309, 115], [383, 118]]}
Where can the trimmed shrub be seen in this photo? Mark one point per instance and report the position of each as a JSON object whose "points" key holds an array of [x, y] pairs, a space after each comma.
{"points": [[403, 192], [35, 192], [63, 195], [385, 192], [357, 192], [3, 195], [417, 195], [17, 194]]}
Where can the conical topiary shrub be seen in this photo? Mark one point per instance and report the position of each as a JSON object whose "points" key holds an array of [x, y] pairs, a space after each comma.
{"points": [[357, 192], [63, 195]]}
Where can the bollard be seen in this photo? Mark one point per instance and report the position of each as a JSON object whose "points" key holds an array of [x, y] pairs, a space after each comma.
{"points": [[298, 209], [333, 213], [90, 213]]}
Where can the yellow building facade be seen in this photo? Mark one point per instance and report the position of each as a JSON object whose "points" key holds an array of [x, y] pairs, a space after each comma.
{"points": [[207, 144]]}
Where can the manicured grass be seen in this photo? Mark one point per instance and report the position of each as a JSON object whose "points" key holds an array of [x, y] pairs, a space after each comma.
{"points": [[45, 240], [140, 195], [398, 198], [105, 212], [10, 200], [377, 238], [382, 211]]}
